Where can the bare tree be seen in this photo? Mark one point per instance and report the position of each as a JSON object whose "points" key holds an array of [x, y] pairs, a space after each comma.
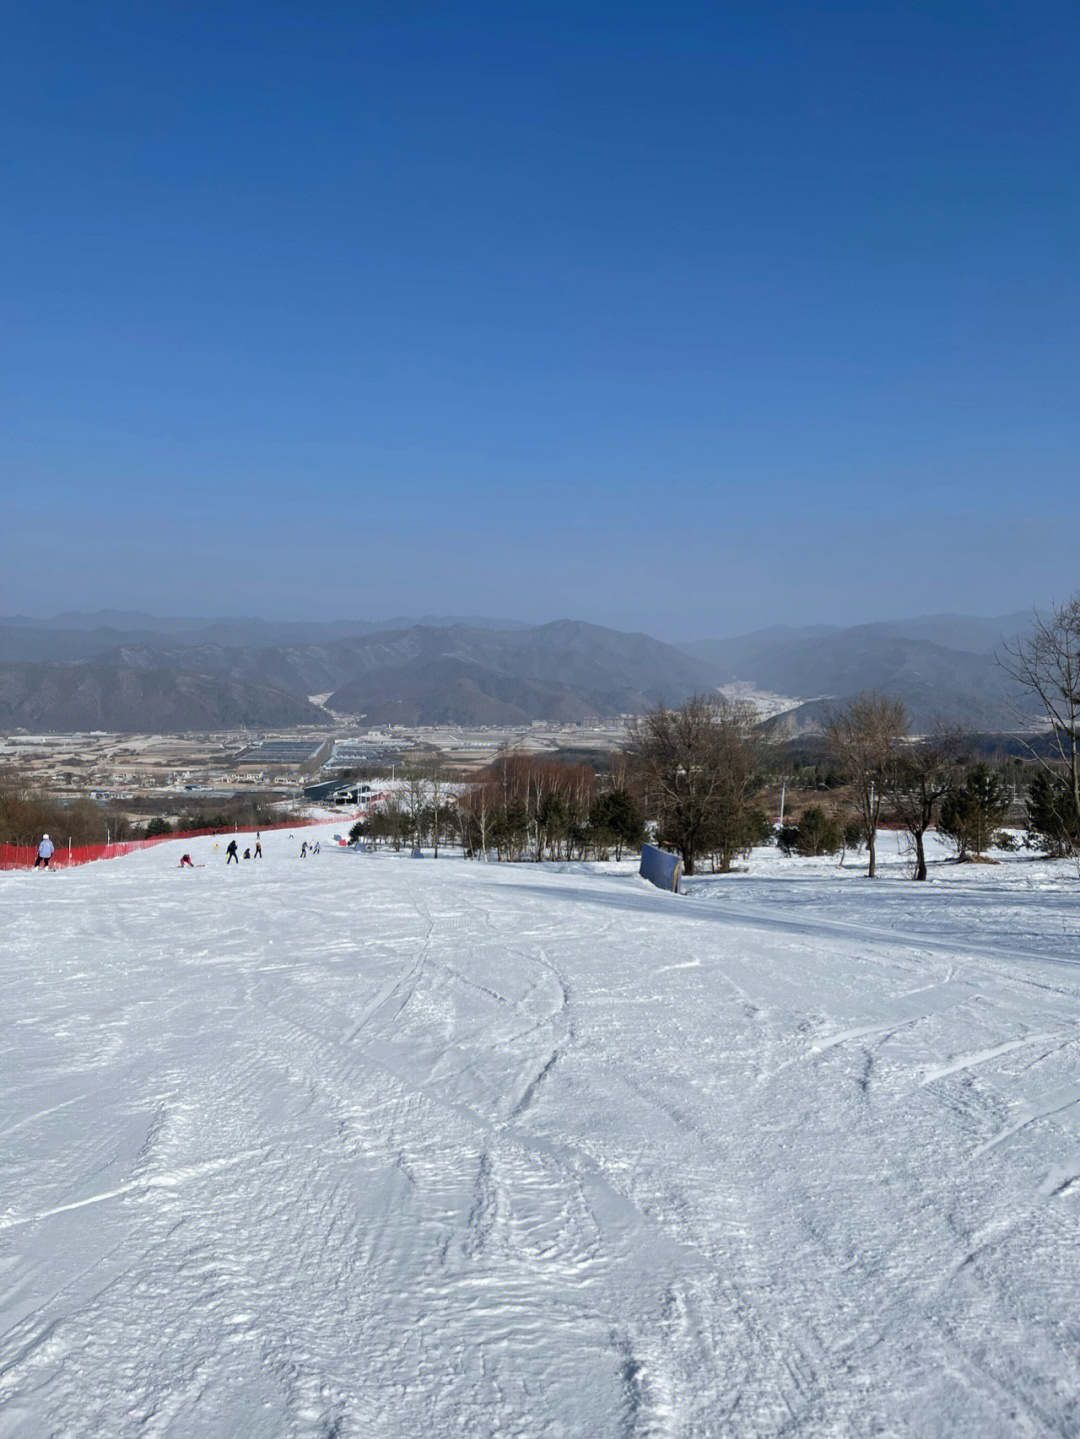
{"points": [[741, 747], [437, 779], [618, 767], [921, 775], [413, 798], [1046, 663], [697, 768], [475, 809], [863, 736]]}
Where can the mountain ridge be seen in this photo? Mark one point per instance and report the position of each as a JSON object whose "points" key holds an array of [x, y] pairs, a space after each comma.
{"points": [[451, 671], [564, 671]]}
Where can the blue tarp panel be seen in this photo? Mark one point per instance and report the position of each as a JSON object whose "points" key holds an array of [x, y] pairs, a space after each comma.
{"points": [[660, 868]]}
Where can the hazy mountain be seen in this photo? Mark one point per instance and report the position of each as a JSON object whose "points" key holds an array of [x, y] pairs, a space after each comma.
{"points": [[74, 636], [778, 634], [125, 674], [908, 659], [973, 634], [121, 620], [421, 674], [563, 671], [104, 695], [22, 643]]}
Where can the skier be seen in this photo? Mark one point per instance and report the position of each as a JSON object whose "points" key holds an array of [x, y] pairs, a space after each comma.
{"points": [[231, 853], [303, 850], [316, 849], [258, 848], [44, 852], [186, 862], [247, 853]]}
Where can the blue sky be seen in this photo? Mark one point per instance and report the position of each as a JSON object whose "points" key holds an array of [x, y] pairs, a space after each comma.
{"points": [[684, 319]]}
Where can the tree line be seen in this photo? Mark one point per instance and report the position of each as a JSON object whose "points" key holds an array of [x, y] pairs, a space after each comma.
{"points": [[693, 779], [694, 776], [26, 813], [520, 807]]}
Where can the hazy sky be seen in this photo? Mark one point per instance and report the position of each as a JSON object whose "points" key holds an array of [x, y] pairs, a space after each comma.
{"points": [[683, 318]]}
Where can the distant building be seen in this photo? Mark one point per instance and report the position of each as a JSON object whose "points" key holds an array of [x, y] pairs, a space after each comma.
{"points": [[296, 754], [337, 792]]}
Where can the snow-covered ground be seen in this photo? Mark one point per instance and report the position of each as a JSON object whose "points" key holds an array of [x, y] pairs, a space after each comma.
{"points": [[369, 1146]]}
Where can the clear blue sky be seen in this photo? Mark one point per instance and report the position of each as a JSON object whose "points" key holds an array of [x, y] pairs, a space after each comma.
{"points": [[678, 318]]}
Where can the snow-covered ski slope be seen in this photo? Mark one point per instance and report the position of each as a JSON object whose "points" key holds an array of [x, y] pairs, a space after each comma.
{"points": [[369, 1146]]}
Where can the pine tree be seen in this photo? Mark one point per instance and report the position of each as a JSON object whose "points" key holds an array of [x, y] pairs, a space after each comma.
{"points": [[1052, 823], [971, 813]]}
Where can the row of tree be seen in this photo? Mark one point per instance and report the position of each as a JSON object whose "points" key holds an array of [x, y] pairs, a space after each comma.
{"points": [[971, 814], [700, 768], [26, 813], [695, 775], [521, 807]]}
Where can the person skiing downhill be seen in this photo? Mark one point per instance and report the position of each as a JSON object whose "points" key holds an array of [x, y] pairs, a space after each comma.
{"points": [[45, 852], [186, 862], [231, 855]]}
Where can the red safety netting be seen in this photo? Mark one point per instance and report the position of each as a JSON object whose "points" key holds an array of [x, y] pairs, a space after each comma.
{"points": [[22, 856]]}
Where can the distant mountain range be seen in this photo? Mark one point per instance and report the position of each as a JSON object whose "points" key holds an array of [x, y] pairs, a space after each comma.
{"points": [[451, 673], [132, 672], [939, 665], [70, 637]]}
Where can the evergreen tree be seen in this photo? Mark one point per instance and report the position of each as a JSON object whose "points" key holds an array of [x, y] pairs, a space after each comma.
{"points": [[971, 813], [1051, 820], [817, 833], [616, 815]]}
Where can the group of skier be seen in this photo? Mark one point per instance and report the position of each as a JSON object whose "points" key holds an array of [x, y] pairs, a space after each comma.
{"points": [[232, 851], [46, 849]]}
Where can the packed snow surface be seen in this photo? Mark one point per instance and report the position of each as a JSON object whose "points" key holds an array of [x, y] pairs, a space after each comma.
{"points": [[360, 1145]]}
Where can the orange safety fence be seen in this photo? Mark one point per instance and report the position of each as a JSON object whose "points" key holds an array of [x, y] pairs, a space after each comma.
{"points": [[22, 856]]}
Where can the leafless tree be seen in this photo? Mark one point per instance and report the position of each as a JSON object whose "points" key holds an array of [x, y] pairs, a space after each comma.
{"points": [[618, 768], [413, 798], [918, 779], [697, 769], [475, 810], [437, 788], [863, 735], [1046, 663]]}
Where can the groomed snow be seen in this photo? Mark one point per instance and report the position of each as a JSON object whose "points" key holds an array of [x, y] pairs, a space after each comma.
{"points": [[372, 1146]]}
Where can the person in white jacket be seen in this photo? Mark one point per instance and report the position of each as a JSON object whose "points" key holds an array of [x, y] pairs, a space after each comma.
{"points": [[44, 852]]}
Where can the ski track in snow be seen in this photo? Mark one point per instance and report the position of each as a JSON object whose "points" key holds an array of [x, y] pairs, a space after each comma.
{"points": [[358, 1146]]}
